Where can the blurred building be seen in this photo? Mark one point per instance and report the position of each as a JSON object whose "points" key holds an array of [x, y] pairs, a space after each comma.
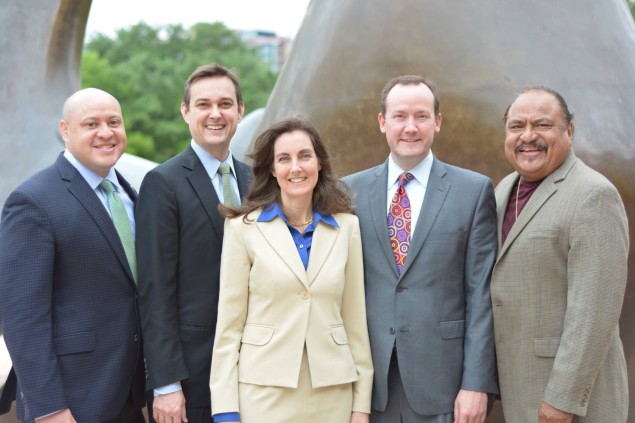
{"points": [[272, 49]]}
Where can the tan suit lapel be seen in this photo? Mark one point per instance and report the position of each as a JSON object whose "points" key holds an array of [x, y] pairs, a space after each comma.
{"points": [[324, 238], [546, 189], [503, 191], [278, 236]]}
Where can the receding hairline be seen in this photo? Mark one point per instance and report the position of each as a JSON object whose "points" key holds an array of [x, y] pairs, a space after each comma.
{"points": [[561, 103]]}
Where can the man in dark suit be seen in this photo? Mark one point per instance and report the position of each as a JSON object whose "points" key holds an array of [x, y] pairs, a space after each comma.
{"points": [[429, 240], [68, 304], [179, 239]]}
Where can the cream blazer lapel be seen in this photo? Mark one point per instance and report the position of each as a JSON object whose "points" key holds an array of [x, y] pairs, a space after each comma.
{"points": [[324, 238], [278, 236]]}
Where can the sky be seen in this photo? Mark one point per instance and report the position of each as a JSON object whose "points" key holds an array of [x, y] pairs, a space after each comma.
{"points": [[280, 16]]}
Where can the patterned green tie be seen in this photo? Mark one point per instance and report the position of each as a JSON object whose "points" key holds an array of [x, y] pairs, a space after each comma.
{"points": [[229, 196], [122, 224]]}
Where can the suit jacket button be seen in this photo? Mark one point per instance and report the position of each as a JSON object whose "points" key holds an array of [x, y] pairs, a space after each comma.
{"points": [[135, 337], [400, 288], [392, 331], [304, 294]]}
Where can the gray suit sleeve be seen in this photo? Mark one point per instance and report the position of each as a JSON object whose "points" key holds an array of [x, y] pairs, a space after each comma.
{"points": [[479, 366]]}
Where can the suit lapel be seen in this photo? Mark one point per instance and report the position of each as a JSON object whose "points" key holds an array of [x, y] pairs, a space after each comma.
{"points": [[324, 238], [377, 193], [132, 193], [436, 192], [503, 191], [202, 185], [278, 236], [95, 208], [545, 190], [243, 177]]}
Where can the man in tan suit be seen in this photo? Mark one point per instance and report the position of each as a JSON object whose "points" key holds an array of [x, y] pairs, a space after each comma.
{"points": [[559, 279]]}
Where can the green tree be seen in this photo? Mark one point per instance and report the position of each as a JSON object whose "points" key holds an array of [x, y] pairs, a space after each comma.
{"points": [[146, 67], [631, 5]]}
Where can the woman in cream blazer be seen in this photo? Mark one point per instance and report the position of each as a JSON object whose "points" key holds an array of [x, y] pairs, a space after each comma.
{"points": [[291, 339]]}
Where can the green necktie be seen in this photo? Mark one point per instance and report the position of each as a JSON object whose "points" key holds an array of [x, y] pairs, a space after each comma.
{"points": [[229, 196], [122, 224]]}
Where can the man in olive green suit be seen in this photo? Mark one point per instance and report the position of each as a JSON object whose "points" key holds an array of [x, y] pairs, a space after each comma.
{"points": [[559, 279]]}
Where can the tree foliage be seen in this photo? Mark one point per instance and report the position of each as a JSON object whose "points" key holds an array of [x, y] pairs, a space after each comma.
{"points": [[145, 68]]}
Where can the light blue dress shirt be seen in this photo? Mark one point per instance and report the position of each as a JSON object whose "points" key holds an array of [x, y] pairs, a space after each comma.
{"points": [[93, 180]]}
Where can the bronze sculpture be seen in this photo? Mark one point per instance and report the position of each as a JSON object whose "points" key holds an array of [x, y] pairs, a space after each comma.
{"points": [[479, 54]]}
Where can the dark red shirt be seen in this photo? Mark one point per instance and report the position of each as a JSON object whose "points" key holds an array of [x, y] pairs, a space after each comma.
{"points": [[518, 198]]}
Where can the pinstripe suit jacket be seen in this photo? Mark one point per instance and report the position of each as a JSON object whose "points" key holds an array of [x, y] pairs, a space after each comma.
{"points": [[557, 291], [67, 300]]}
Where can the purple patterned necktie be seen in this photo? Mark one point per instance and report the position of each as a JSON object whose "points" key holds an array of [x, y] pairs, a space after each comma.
{"points": [[399, 221]]}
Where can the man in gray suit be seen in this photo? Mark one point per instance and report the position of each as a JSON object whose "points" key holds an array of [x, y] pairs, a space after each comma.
{"points": [[429, 238]]}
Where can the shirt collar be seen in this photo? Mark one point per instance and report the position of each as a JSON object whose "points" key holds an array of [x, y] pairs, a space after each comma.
{"points": [[91, 177], [273, 211], [421, 171], [211, 163]]}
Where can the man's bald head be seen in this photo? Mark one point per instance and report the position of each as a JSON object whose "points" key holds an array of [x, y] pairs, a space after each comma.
{"points": [[82, 97], [93, 130]]}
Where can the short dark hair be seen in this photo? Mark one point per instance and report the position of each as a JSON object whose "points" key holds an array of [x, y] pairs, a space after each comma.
{"points": [[564, 108], [329, 195], [409, 80], [212, 70]]}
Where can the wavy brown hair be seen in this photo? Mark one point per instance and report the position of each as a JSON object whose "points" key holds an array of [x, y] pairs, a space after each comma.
{"points": [[329, 195]]}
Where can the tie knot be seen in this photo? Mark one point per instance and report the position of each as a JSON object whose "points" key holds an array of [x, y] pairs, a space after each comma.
{"points": [[224, 169], [107, 186], [404, 178]]}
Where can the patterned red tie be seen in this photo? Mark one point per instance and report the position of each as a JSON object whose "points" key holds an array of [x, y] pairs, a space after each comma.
{"points": [[399, 221]]}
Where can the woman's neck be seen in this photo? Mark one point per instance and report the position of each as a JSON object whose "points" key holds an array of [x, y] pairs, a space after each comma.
{"points": [[297, 210]]}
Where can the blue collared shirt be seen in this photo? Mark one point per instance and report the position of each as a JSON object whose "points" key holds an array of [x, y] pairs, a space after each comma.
{"points": [[302, 241], [302, 244]]}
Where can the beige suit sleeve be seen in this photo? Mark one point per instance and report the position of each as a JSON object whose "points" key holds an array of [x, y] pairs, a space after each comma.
{"points": [[232, 312], [354, 318], [597, 269]]}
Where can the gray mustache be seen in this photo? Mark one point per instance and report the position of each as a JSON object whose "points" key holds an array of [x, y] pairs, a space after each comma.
{"points": [[535, 145]]}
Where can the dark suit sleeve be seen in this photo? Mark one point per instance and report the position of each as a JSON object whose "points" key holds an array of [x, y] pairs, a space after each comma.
{"points": [[27, 266], [479, 365], [157, 241]]}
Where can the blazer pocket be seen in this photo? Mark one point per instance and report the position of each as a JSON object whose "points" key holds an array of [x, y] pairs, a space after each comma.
{"points": [[75, 343], [194, 331], [257, 334], [339, 335], [546, 347], [543, 233], [453, 329]]}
